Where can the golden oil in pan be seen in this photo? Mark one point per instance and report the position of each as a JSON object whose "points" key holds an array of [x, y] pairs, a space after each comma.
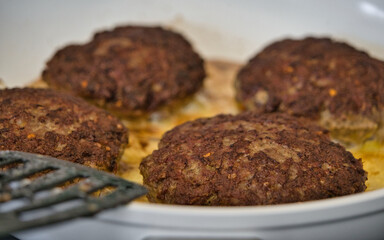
{"points": [[372, 155]]}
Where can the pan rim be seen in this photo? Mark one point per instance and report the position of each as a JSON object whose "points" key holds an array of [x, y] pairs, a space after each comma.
{"points": [[244, 217]]}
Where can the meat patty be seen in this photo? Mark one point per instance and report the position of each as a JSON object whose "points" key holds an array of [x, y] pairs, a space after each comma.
{"points": [[55, 124], [130, 70], [327, 81], [249, 159]]}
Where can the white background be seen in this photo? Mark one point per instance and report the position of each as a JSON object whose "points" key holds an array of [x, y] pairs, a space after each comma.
{"points": [[31, 31]]}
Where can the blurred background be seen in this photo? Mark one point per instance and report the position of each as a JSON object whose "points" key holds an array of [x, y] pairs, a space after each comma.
{"points": [[31, 31]]}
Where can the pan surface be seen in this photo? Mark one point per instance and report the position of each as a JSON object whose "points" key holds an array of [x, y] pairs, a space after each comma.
{"points": [[227, 30]]}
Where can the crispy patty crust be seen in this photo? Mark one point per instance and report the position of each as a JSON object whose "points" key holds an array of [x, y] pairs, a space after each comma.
{"points": [[129, 70], [47, 122], [249, 159], [320, 79]]}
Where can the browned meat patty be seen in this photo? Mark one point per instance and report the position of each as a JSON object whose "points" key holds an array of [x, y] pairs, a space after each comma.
{"points": [[249, 159], [331, 82], [129, 70], [50, 123]]}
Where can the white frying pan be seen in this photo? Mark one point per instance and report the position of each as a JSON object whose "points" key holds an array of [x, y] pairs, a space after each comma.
{"points": [[30, 32]]}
